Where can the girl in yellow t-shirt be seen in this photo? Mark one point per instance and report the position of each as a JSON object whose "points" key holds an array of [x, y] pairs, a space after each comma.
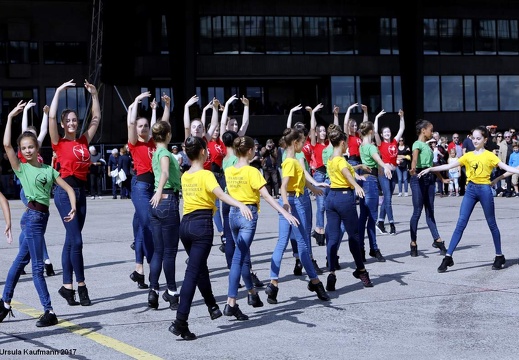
{"points": [[479, 165], [292, 188], [199, 191], [245, 184]]}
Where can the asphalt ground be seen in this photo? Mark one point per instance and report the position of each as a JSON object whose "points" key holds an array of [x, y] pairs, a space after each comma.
{"points": [[469, 312]]}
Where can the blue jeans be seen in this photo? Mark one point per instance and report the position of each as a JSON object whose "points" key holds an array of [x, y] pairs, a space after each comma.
{"points": [[402, 178], [369, 211], [164, 223], [307, 224], [31, 247], [301, 237], [423, 197], [142, 192], [341, 213], [319, 200], [227, 233], [196, 234], [22, 227], [473, 194], [217, 217], [243, 231], [72, 254], [114, 186], [388, 187]]}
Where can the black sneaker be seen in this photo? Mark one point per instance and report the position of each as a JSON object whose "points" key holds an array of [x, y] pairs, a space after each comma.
{"points": [[180, 328], [392, 229], [440, 245], [49, 270], [257, 282], [254, 300], [214, 311], [153, 299], [316, 267], [377, 254], [69, 295], [84, 299], [414, 250], [447, 261], [319, 290], [4, 312], [381, 228], [222, 246], [298, 268], [132, 245], [171, 299], [272, 293], [47, 319], [235, 311], [139, 279], [330, 282], [499, 262], [364, 277]]}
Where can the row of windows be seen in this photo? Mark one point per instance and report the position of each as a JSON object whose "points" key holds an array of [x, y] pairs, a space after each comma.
{"points": [[341, 35], [27, 52]]}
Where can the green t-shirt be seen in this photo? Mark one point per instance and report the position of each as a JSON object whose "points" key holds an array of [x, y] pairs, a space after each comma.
{"points": [[228, 162], [366, 155], [37, 181], [173, 182], [425, 156]]}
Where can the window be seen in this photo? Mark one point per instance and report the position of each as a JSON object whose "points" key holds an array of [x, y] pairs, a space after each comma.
{"points": [[252, 34], [206, 35], [388, 36], [450, 37], [486, 91], [342, 35], [225, 35], [507, 37], [316, 35], [158, 96], [509, 92], [485, 37], [452, 93], [431, 93], [277, 29], [430, 36], [22, 52], [296, 33], [164, 46], [344, 92], [65, 53], [71, 98]]}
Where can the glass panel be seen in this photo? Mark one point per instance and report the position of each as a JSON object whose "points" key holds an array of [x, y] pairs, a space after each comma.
{"points": [[255, 94], [470, 93], [397, 93], [507, 37], [206, 35], [296, 34], [164, 46], [342, 35], [386, 92], [509, 92], [431, 93], [316, 35], [450, 37], [452, 93], [3, 52], [468, 37], [251, 31], [388, 36], [486, 93], [225, 35], [18, 52], [65, 53], [343, 92], [485, 37], [277, 29], [158, 97], [430, 36]]}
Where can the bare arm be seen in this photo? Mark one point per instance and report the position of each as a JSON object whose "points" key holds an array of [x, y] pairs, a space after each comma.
{"points": [[214, 120], [187, 119], [44, 129], [11, 154], [53, 123], [25, 117], [365, 111], [347, 116], [6, 210], [226, 198], [132, 117], [401, 126], [289, 119], [153, 120], [164, 176], [71, 196], [378, 140], [336, 115], [275, 205], [347, 175], [313, 123], [96, 112], [167, 108], [223, 121], [245, 117]]}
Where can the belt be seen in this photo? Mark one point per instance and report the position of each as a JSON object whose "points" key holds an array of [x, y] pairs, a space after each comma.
{"points": [[341, 189], [291, 193]]}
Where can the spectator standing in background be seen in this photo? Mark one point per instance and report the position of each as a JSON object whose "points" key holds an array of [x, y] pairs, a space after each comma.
{"points": [[256, 160], [269, 161], [96, 172], [125, 163], [176, 154], [113, 166]]}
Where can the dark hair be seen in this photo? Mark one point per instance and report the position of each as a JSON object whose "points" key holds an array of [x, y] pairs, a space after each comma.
{"points": [[336, 136], [28, 134], [290, 135], [242, 145], [160, 131], [365, 127], [482, 129], [65, 113], [194, 145], [421, 124], [301, 127], [228, 138], [332, 127]]}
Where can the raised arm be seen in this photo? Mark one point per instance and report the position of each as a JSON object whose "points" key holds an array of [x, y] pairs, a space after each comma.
{"points": [[44, 129], [132, 118], [167, 107], [53, 123], [187, 118], [289, 119], [204, 112], [153, 120], [96, 112], [6, 210], [401, 126], [223, 121], [335, 115], [245, 118], [365, 111], [11, 154], [25, 117], [214, 120], [375, 127], [313, 123], [347, 117]]}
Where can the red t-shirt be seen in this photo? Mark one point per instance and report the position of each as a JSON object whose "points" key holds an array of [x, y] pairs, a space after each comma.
{"points": [[308, 151], [318, 153], [217, 151], [388, 151], [142, 153], [73, 157], [353, 145], [24, 160]]}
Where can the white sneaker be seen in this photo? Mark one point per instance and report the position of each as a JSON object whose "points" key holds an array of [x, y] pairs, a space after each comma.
{"points": [[100, 197], [406, 194], [399, 194], [93, 198]]}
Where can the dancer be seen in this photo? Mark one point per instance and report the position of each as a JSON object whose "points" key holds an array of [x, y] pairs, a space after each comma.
{"points": [[37, 180], [74, 161]]}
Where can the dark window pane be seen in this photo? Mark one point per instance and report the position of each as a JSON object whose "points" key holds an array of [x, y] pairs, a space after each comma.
{"points": [[342, 35], [316, 35], [486, 93], [206, 35], [450, 37], [277, 29], [470, 93], [468, 37], [431, 93], [225, 35], [430, 36], [452, 93], [3, 52], [296, 34], [508, 92], [343, 92], [507, 37], [485, 37], [252, 34], [388, 36], [65, 53]]}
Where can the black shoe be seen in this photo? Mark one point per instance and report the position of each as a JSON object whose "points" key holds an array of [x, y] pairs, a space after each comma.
{"points": [[180, 328], [377, 254], [172, 299], [69, 295], [363, 255], [316, 267], [23, 272], [153, 299], [254, 300], [414, 250], [222, 246], [330, 282], [499, 262], [257, 282], [132, 246], [214, 311], [381, 228], [235, 311], [49, 270], [319, 238], [84, 300], [298, 268], [139, 279], [272, 293], [4, 312], [447, 261], [114, 197], [392, 229], [47, 319], [319, 290], [440, 245], [364, 277]]}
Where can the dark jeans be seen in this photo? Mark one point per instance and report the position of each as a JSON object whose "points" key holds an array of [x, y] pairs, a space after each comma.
{"points": [[141, 196], [423, 192], [369, 211], [95, 185], [388, 187], [272, 179], [196, 234]]}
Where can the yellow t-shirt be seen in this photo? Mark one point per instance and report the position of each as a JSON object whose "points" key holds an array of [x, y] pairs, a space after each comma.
{"points": [[244, 184], [334, 168], [292, 169], [197, 191], [479, 166]]}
